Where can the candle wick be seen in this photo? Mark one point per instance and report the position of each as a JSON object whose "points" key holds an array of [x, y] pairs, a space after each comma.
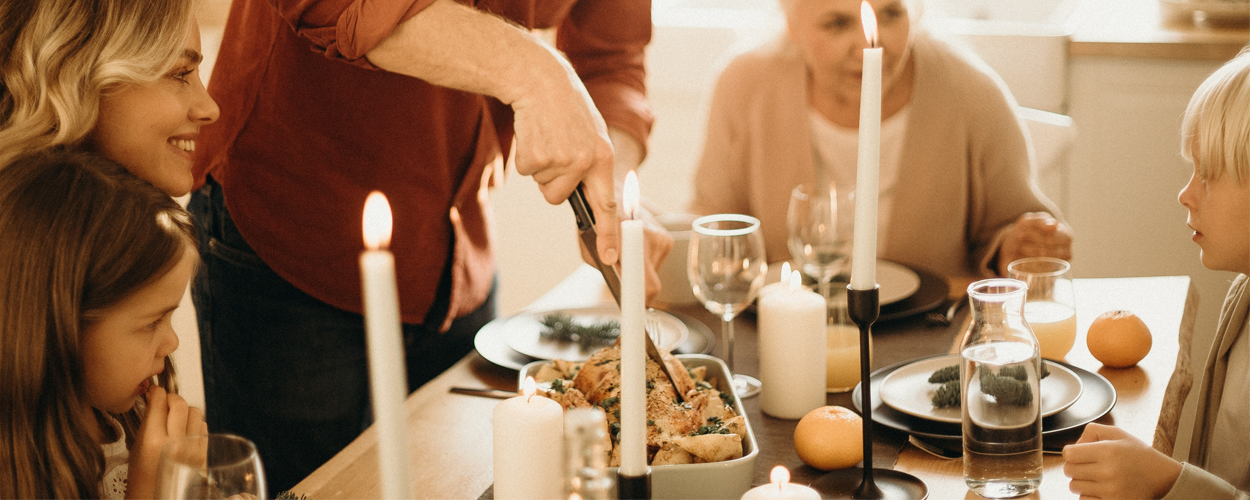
{"points": [[528, 397]]}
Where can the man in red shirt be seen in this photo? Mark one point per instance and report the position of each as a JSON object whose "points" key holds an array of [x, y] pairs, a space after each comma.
{"points": [[323, 101]]}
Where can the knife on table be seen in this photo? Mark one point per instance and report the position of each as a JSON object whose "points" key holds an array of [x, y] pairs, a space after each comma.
{"points": [[590, 238]]}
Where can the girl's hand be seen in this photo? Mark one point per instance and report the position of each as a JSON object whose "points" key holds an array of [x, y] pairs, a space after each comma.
{"points": [[1108, 462], [168, 418]]}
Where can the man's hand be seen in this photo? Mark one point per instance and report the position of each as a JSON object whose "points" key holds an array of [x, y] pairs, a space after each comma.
{"points": [[168, 418], [1107, 462], [657, 244], [1035, 234], [561, 138]]}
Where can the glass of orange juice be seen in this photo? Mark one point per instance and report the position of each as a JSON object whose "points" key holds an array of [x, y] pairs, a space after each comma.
{"points": [[842, 346], [1050, 308]]}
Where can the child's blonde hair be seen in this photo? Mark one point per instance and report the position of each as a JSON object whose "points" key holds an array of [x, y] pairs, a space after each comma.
{"points": [[1215, 134], [60, 55], [79, 235]]}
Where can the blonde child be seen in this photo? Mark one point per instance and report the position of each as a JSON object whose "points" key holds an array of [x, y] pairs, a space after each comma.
{"points": [[93, 261], [1109, 463], [120, 77]]}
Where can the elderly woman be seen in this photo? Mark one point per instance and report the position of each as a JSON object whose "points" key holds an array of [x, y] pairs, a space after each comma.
{"points": [[958, 193]]}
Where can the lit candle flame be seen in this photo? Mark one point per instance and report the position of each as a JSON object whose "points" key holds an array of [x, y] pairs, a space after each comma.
{"points": [[796, 280], [779, 476], [377, 221], [630, 195], [529, 388], [869, 18], [785, 271]]}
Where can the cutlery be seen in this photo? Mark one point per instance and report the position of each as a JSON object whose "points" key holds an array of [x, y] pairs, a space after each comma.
{"points": [[484, 392], [586, 229], [935, 318], [953, 453]]}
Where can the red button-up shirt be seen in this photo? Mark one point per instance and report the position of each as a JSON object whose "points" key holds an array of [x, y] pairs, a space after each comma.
{"points": [[309, 127]]}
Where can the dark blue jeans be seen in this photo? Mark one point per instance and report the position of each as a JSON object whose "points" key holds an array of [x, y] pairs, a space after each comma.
{"points": [[285, 369]]}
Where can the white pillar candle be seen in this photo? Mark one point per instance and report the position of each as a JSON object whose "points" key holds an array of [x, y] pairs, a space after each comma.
{"points": [[792, 350], [779, 285], [864, 248], [528, 437], [633, 345], [781, 488], [388, 381]]}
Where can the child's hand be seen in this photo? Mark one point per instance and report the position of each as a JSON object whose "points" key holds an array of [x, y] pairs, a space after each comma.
{"points": [[168, 418], [1108, 462], [1035, 234]]}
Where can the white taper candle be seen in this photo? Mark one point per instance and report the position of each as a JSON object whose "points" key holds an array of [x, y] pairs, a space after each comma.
{"points": [[633, 345], [388, 381], [864, 251]]}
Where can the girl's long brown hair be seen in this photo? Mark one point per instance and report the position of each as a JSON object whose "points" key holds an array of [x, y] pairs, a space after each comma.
{"points": [[78, 234]]}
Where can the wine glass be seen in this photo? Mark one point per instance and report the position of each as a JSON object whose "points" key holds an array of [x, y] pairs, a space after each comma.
{"points": [[820, 223], [213, 466], [726, 267]]}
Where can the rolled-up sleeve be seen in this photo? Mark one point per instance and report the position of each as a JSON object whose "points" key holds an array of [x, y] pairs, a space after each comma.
{"points": [[346, 29], [606, 40]]}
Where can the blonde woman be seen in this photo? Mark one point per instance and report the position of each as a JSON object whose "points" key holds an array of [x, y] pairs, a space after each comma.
{"points": [[957, 190], [120, 77]]}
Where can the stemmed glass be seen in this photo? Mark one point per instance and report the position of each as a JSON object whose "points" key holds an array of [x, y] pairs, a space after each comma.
{"points": [[216, 466], [820, 223], [726, 267]]}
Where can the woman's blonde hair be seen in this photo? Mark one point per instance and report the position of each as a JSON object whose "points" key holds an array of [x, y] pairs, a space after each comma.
{"points": [[1215, 134], [62, 54], [80, 234]]}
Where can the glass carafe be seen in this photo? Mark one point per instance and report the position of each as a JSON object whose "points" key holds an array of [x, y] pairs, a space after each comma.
{"points": [[1000, 393]]}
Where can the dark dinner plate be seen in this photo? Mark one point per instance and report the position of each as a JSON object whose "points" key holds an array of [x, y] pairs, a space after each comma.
{"points": [[932, 293], [1097, 398]]}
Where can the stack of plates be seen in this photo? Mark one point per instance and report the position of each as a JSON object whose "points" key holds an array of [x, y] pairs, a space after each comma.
{"points": [[901, 399], [904, 291]]}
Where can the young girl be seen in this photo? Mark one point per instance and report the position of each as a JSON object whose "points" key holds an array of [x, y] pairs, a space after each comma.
{"points": [[93, 261], [1107, 462], [120, 77]]}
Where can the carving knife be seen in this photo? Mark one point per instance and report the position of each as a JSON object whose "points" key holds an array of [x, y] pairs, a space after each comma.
{"points": [[590, 238]]}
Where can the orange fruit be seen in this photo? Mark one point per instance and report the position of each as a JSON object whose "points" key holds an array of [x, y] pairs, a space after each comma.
{"points": [[1119, 339], [830, 437]]}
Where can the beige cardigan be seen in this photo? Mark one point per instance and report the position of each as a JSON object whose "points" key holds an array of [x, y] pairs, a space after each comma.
{"points": [[1194, 482], [966, 167]]}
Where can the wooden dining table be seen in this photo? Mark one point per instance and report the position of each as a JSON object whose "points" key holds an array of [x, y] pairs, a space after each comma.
{"points": [[450, 434]]}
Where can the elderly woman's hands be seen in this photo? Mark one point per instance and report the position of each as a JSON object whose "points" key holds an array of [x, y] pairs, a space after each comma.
{"points": [[1035, 234]]}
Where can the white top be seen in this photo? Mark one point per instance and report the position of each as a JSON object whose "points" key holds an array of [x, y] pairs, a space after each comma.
{"points": [[116, 464], [1231, 435], [837, 151]]}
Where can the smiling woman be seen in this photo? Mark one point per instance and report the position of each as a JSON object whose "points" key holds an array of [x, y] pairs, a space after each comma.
{"points": [[131, 90]]}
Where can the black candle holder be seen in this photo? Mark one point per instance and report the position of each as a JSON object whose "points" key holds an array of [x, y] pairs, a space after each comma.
{"points": [[634, 487], [864, 307]]}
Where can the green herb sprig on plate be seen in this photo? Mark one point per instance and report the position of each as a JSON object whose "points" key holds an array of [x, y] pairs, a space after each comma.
{"points": [[560, 327]]}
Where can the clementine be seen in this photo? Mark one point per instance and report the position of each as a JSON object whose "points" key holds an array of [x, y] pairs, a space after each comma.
{"points": [[1119, 339], [830, 437]]}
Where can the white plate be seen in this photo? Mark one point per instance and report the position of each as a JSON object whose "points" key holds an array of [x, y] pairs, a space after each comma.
{"points": [[523, 332], [908, 390], [896, 280]]}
